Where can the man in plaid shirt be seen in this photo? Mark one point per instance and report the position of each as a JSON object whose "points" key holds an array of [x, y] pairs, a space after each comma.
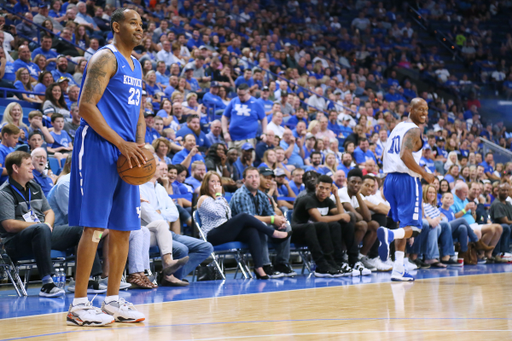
{"points": [[248, 199]]}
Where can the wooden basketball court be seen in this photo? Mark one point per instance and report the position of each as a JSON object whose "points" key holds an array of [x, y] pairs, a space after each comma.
{"points": [[476, 307]]}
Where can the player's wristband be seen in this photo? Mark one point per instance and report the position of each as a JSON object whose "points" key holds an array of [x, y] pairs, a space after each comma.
{"points": [[464, 211], [218, 194], [272, 219]]}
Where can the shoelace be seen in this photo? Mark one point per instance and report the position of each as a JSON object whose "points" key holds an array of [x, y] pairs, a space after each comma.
{"points": [[123, 305]]}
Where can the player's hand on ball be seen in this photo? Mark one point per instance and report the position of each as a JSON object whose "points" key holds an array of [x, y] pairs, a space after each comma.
{"points": [[133, 150]]}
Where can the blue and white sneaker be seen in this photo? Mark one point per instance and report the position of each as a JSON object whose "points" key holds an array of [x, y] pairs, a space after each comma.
{"points": [[386, 236], [397, 276]]}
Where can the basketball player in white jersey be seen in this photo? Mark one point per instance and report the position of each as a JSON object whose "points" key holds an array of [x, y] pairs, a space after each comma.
{"points": [[402, 186]]}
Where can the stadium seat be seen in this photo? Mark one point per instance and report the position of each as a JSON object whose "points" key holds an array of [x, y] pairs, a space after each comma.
{"points": [[54, 165]]}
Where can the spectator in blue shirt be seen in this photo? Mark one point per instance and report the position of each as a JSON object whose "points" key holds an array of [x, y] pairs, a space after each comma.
{"points": [[189, 154], [234, 48], [392, 80], [393, 96], [39, 161], [246, 79], [346, 162], [316, 159], [24, 61], [198, 170], [363, 153], [244, 112], [194, 127], [195, 41], [300, 115], [61, 139], [428, 159], [21, 7], [488, 168], [62, 70], [245, 160], [297, 184], [151, 133], [293, 148], [194, 84], [264, 101], [10, 135], [46, 50], [212, 98]]}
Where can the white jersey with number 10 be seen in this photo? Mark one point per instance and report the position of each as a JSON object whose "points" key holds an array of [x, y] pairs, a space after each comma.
{"points": [[393, 151]]}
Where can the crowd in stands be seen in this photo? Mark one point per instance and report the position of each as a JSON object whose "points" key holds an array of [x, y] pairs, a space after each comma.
{"points": [[251, 106]]}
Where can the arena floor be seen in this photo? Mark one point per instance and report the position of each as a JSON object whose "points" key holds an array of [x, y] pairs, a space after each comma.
{"points": [[470, 303]]}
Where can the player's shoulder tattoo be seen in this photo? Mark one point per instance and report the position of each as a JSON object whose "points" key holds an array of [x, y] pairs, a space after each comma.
{"points": [[411, 138], [98, 68]]}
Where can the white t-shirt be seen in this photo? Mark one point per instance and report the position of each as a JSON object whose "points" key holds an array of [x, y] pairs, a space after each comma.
{"points": [[278, 130], [344, 197], [7, 42], [509, 199], [376, 199]]}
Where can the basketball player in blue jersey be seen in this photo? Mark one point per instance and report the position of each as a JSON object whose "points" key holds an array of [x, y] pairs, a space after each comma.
{"points": [[112, 124], [402, 186]]}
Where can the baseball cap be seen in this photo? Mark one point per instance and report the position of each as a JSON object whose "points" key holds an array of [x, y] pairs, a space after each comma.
{"points": [[203, 47], [310, 136], [346, 118], [44, 6], [441, 139], [247, 146], [144, 93], [279, 172], [63, 79], [214, 84], [265, 88], [266, 171], [287, 44], [189, 68], [148, 113], [284, 93]]}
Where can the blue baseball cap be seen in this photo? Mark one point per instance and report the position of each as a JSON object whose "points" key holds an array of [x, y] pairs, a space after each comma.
{"points": [[247, 146]]}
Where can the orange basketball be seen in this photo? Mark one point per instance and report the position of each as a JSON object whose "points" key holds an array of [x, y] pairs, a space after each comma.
{"points": [[137, 175]]}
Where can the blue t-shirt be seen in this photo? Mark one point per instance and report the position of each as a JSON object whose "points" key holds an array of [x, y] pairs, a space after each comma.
{"points": [[151, 135], [44, 181], [48, 54], [448, 213], [361, 156], [179, 188], [296, 189], [32, 68], [282, 190], [168, 91], [321, 170], [344, 169], [57, 74], [241, 80], [295, 158], [459, 205], [244, 117], [292, 122], [182, 155], [267, 105], [10, 73], [61, 140], [4, 151], [193, 182], [429, 164], [194, 84], [40, 88], [213, 100], [201, 140], [241, 167], [487, 167]]}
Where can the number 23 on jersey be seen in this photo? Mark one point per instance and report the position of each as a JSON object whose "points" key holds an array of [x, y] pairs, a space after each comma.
{"points": [[134, 98]]}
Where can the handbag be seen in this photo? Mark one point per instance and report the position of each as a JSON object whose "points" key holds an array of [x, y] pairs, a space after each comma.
{"points": [[208, 273], [470, 256]]}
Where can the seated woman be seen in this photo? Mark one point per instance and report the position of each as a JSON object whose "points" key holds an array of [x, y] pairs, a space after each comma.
{"points": [[165, 112], [13, 113], [23, 83], [439, 223], [219, 227], [162, 148], [269, 159], [55, 101], [453, 175], [41, 62], [138, 259], [153, 89], [45, 78], [215, 161]]}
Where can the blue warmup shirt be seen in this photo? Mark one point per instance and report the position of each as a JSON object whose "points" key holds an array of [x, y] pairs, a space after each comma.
{"points": [[244, 118], [120, 103]]}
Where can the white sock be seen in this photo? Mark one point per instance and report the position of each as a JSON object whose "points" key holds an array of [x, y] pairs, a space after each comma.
{"points": [[399, 233], [113, 298], [80, 300], [399, 261], [360, 256]]}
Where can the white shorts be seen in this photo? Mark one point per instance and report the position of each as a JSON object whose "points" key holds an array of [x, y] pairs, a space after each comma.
{"points": [[476, 227]]}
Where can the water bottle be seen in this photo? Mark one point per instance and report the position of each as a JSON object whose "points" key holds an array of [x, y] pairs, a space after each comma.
{"points": [[62, 278], [56, 277]]}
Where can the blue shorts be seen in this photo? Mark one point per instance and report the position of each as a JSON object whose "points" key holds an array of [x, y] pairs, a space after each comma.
{"points": [[98, 197], [404, 194]]}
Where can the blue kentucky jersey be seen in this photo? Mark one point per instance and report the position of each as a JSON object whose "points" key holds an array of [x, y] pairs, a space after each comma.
{"points": [[121, 100], [244, 118]]}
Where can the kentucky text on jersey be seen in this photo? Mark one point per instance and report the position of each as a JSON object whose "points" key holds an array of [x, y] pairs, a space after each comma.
{"points": [[132, 81]]}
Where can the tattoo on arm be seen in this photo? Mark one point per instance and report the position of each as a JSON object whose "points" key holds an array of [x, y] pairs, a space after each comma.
{"points": [[411, 139], [96, 72], [138, 133]]}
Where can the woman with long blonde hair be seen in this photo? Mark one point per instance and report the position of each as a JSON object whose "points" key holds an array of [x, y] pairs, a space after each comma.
{"points": [[13, 113], [269, 159], [331, 163]]}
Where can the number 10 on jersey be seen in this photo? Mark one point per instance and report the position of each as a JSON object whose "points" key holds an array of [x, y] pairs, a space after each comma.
{"points": [[395, 145]]}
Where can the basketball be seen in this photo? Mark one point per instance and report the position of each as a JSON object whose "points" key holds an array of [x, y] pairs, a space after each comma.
{"points": [[137, 175]]}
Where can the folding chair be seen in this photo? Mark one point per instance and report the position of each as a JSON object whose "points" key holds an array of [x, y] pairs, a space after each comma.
{"points": [[302, 250], [12, 272], [221, 251]]}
